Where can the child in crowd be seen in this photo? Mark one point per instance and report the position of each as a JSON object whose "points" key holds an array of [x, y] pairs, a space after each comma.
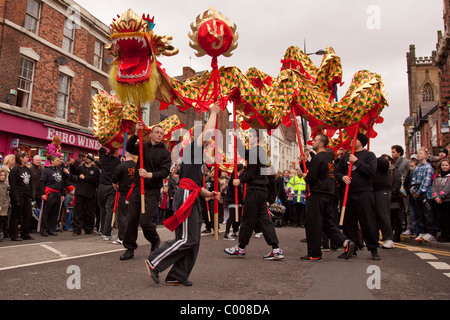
{"points": [[421, 192], [440, 192], [4, 203], [53, 148], [164, 204], [68, 207]]}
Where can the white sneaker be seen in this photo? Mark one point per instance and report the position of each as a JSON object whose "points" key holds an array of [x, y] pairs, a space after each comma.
{"points": [[228, 237], [108, 238], [388, 244], [407, 233], [428, 237], [420, 237], [235, 251], [118, 241], [258, 235]]}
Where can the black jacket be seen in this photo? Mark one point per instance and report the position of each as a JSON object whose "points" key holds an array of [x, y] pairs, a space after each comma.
{"points": [[362, 172], [86, 187], [253, 175], [124, 175], [320, 177], [157, 160], [382, 178], [20, 184], [53, 178], [36, 172], [109, 164]]}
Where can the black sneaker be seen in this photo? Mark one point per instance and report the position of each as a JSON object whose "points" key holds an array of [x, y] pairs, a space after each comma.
{"points": [[349, 249], [375, 255], [155, 245], [129, 254], [309, 258], [152, 272], [178, 283]]}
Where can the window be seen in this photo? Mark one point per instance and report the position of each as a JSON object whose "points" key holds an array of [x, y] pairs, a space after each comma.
{"points": [[98, 54], [26, 72], [63, 96], [69, 35], [32, 16], [427, 93]]}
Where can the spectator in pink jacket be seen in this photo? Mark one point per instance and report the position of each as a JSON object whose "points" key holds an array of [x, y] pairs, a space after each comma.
{"points": [[53, 148]]}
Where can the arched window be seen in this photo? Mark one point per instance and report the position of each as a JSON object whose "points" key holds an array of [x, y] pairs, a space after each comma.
{"points": [[427, 93]]}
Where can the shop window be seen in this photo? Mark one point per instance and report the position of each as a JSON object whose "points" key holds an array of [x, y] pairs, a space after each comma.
{"points": [[26, 73], [98, 54], [32, 16], [69, 36], [63, 96]]}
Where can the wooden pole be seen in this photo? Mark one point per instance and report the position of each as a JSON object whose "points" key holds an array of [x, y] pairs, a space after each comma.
{"points": [[141, 164], [305, 170], [236, 192], [116, 200], [207, 204], [350, 167], [216, 149]]}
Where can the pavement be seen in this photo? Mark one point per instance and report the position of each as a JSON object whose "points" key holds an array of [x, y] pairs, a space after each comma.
{"points": [[427, 244]]}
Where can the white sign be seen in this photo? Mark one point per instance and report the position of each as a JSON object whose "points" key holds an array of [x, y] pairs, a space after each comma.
{"points": [[74, 139]]}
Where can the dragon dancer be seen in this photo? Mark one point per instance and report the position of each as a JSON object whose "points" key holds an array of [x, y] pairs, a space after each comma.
{"points": [[181, 253]]}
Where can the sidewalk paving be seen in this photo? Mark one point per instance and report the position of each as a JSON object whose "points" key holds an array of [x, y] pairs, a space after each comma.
{"points": [[429, 244]]}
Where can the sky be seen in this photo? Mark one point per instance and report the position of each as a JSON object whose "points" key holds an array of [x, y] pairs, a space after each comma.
{"points": [[370, 35]]}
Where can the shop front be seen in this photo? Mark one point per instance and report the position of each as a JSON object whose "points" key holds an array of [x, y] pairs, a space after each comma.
{"points": [[33, 136]]}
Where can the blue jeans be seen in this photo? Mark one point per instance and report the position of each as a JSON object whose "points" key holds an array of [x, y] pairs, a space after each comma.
{"points": [[425, 216], [68, 224]]}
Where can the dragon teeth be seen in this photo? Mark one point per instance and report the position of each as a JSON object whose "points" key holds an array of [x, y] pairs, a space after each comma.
{"points": [[131, 76]]}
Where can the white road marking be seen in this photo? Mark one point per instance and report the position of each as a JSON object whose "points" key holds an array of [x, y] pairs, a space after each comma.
{"points": [[57, 252], [440, 265], [59, 260], [25, 245], [426, 256]]}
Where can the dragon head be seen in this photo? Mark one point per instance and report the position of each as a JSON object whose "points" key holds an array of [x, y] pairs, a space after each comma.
{"points": [[135, 48]]}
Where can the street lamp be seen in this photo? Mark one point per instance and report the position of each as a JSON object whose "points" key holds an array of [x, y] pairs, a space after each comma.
{"points": [[320, 52]]}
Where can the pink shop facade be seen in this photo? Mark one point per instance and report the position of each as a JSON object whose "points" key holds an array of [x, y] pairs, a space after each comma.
{"points": [[33, 136]]}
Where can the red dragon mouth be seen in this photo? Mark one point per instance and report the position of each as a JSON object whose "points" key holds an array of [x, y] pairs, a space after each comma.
{"points": [[134, 64]]}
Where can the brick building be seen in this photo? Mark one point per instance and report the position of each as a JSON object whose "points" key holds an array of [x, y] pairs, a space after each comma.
{"points": [[52, 60], [422, 125], [443, 62]]}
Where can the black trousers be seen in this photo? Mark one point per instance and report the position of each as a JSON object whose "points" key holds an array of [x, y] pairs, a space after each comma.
{"points": [[121, 215], [231, 222], [320, 219], [361, 208], [51, 212], [83, 215], [255, 213], [20, 212], [145, 220], [180, 253], [106, 199]]}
